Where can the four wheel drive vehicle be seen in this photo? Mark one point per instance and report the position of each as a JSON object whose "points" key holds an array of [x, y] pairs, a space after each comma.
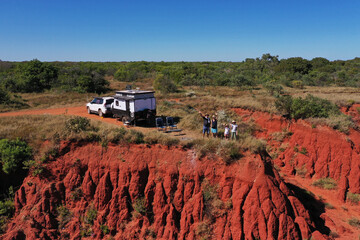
{"points": [[133, 105], [100, 105]]}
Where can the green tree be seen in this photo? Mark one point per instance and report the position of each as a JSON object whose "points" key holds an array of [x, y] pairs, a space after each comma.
{"points": [[35, 76], [13, 153], [164, 84], [294, 65], [4, 96]]}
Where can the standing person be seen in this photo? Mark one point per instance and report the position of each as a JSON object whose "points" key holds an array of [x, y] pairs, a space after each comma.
{"points": [[227, 131], [233, 127], [214, 126], [206, 126]]}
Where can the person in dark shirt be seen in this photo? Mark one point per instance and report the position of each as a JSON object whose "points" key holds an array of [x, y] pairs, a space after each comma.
{"points": [[214, 125], [206, 125]]}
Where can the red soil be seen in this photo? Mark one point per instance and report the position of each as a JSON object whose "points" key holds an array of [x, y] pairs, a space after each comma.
{"points": [[309, 153], [251, 200]]}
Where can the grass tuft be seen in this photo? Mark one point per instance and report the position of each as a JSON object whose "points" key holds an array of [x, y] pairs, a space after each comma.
{"points": [[325, 183]]}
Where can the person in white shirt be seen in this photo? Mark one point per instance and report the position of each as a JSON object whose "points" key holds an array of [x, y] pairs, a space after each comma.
{"points": [[227, 132], [233, 127]]}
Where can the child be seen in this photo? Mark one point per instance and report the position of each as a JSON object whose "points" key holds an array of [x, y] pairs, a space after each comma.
{"points": [[227, 131]]}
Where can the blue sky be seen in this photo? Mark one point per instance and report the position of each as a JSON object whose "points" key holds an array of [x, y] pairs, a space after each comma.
{"points": [[85, 30]]}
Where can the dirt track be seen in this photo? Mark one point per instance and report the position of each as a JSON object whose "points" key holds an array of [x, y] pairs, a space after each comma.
{"points": [[75, 111], [82, 112]]}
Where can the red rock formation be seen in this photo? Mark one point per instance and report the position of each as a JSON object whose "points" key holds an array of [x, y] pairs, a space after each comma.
{"points": [[316, 152], [144, 191]]}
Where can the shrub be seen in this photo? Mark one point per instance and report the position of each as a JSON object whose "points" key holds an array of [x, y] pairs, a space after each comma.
{"points": [[35, 166], [134, 136], [325, 183], [140, 205], [91, 215], [13, 153], [76, 194], [77, 124], [164, 84], [4, 96], [203, 230], [117, 135], [312, 107], [353, 197], [104, 229], [229, 151], [64, 216], [7, 208], [307, 107], [355, 222], [273, 88]]}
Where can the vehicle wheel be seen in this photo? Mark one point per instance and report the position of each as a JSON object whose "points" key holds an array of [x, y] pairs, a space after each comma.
{"points": [[89, 111], [100, 113]]}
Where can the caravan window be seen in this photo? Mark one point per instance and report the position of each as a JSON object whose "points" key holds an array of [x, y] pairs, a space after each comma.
{"points": [[117, 103]]}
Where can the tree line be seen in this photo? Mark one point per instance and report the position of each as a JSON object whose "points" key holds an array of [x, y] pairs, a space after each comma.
{"points": [[297, 72]]}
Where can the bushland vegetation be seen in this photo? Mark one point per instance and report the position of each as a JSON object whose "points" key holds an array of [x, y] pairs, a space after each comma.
{"points": [[296, 72]]}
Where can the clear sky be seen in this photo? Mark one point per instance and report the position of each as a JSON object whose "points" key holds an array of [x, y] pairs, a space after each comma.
{"points": [[169, 30]]}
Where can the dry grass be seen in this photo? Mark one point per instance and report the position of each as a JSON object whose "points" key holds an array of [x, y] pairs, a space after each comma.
{"points": [[325, 183], [354, 198]]}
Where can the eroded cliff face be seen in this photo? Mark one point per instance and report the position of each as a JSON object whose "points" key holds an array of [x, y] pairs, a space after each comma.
{"points": [[312, 151], [145, 192]]}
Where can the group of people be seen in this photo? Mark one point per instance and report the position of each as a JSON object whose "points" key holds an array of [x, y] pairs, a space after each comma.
{"points": [[212, 124]]}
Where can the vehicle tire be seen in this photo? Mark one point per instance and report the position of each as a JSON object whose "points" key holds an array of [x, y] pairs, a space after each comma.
{"points": [[88, 110], [100, 113]]}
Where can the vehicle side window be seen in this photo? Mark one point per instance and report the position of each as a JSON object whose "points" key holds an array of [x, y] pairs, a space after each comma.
{"points": [[109, 101], [101, 101]]}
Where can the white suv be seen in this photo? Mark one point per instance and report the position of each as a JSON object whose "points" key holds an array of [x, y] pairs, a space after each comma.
{"points": [[100, 105]]}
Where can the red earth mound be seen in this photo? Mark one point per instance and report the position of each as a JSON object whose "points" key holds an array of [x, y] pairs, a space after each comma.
{"points": [[145, 192], [315, 152], [304, 153]]}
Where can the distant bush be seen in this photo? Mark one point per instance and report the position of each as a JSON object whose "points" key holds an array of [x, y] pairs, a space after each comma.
{"points": [[273, 88], [4, 96], [13, 153], [164, 84], [308, 107]]}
